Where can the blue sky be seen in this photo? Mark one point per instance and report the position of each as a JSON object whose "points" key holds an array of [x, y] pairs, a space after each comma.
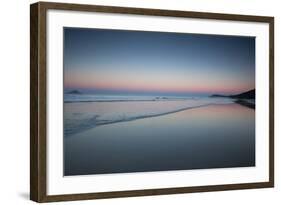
{"points": [[116, 61]]}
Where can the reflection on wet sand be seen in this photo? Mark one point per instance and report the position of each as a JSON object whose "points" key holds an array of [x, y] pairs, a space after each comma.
{"points": [[216, 136]]}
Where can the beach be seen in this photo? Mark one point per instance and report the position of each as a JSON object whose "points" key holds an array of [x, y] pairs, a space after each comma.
{"points": [[209, 136]]}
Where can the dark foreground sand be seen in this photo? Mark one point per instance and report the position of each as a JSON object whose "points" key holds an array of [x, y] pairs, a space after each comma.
{"points": [[217, 136]]}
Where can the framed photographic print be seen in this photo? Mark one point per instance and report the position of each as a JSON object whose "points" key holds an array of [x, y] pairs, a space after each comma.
{"points": [[134, 102]]}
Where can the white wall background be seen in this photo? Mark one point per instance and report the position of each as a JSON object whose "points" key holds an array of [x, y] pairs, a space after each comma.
{"points": [[14, 102]]}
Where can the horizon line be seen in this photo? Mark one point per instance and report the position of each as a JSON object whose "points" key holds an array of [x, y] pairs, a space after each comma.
{"points": [[116, 91]]}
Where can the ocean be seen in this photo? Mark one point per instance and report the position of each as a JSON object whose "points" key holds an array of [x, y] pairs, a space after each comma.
{"points": [[89, 111], [109, 134]]}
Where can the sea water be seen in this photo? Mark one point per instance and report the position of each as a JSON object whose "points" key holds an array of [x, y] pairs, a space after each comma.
{"points": [[220, 135], [86, 111]]}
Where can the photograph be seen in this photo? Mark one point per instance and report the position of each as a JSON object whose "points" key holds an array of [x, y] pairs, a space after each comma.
{"points": [[131, 101], [147, 101]]}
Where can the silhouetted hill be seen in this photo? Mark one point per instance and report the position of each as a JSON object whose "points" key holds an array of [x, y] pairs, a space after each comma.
{"points": [[251, 94]]}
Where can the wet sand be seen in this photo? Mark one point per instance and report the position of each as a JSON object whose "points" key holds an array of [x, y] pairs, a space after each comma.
{"points": [[216, 136]]}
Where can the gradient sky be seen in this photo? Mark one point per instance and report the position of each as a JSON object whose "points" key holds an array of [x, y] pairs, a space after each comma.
{"points": [[140, 62]]}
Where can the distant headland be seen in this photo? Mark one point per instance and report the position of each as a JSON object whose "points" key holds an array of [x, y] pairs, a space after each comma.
{"points": [[246, 98], [251, 94]]}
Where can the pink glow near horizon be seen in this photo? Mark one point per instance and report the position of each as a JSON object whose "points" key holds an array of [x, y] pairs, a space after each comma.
{"points": [[165, 83]]}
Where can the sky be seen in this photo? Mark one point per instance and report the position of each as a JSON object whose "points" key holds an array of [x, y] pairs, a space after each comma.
{"points": [[107, 61]]}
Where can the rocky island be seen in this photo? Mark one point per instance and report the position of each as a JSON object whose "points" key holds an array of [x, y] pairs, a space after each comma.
{"points": [[75, 92]]}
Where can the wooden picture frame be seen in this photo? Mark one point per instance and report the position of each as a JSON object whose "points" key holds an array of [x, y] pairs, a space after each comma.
{"points": [[38, 101]]}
